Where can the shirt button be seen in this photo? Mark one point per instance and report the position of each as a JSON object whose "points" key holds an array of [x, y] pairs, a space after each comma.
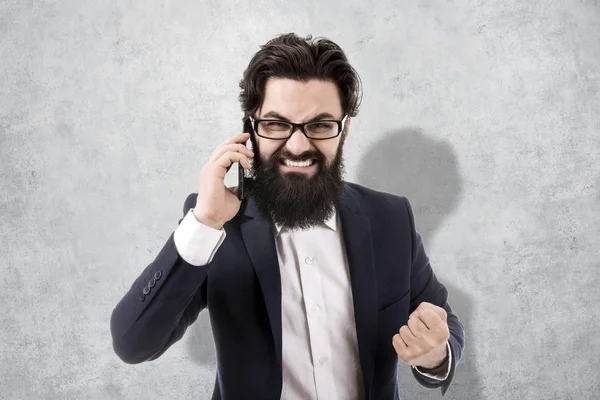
{"points": [[308, 260], [322, 360], [315, 308]]}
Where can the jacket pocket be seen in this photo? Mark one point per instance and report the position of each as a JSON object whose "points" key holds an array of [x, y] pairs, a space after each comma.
{"points": [[392, 302]]}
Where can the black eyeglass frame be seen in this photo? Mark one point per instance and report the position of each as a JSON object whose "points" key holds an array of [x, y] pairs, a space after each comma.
{"points": [[340, 123]]}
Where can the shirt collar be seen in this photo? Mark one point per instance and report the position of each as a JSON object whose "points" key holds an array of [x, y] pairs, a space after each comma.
{"points": [[331, 223]]}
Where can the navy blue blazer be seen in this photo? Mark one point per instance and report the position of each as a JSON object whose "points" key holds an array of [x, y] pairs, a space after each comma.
{"points": [[390, 276]]}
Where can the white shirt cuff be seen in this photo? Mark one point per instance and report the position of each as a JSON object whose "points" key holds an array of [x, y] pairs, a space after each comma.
{"points": [[197, 243], [440, 377]]}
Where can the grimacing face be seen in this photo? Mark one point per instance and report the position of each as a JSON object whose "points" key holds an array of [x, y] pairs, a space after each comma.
{"points": [[303, 196]]}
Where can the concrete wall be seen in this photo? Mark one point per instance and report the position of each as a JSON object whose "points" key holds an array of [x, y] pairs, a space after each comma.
{"points": [[484, 114]]}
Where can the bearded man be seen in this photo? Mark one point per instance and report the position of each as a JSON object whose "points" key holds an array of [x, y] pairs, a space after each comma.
{"points": [[316, 287]]}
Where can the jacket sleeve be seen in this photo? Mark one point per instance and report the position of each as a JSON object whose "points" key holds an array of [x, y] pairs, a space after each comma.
{"points": [[161, 303], [426, 287], [441, 372]]}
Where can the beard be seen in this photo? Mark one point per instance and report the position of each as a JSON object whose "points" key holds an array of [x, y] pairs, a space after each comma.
{"points": [[295, 199]]}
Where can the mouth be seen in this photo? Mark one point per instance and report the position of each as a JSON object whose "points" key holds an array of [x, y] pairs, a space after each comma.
{"points": [[304, 166]]}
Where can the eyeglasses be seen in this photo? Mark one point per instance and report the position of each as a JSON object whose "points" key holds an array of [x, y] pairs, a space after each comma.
{"points": [[280, 130]]}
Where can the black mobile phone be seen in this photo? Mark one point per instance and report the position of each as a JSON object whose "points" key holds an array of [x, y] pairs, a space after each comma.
{"points": [[244, 174]]}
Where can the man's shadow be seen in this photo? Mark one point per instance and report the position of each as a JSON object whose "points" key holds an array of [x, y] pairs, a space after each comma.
{"points": [[409, 163]]}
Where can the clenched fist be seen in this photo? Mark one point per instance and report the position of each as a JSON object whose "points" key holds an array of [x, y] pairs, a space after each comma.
{"points": [[422, 342]]}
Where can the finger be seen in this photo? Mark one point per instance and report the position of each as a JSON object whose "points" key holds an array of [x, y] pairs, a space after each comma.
{"points": [[230, 157], [234, 156], [417, 327], [234, 147], [239, 138], [407, 335], [221, 166], [430, 306], [430, 318], [423, 306], [406, 352], [401, 348], [398, 341], [250, 155]]}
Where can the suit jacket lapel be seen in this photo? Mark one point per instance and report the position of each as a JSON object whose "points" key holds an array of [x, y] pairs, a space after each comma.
{"points": [[259, 239], [258, 236], [356, 228]]}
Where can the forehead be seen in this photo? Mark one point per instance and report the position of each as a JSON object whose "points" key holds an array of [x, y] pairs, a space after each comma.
{"points": [[298, 100]]}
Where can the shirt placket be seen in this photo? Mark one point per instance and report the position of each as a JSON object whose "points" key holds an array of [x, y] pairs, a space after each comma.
{"points": [[314, 303]]}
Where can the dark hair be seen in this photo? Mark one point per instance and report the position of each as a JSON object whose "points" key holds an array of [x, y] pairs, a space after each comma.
{"points": [[290, 56]]}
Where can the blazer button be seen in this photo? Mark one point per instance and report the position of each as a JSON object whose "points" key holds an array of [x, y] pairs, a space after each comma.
{"points": [[146, 290], [142, 297], [157, 275], [152, 282]]}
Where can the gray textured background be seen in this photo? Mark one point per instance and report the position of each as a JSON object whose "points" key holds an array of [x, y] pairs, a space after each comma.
{"points": [[484, 114]]}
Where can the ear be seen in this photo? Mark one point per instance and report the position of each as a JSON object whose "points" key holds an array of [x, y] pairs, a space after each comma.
{"points": [[347, 126]]}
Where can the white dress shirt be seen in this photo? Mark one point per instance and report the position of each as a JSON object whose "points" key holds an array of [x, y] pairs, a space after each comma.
{"points": [[319, 344]]}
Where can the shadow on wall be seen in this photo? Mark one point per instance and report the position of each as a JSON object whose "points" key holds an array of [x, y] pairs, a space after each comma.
{"points": [[200, 342], [425, 170]]}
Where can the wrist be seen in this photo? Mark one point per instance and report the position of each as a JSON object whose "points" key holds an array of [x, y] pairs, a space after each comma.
{"points": [[440, 361], [206, 220]]}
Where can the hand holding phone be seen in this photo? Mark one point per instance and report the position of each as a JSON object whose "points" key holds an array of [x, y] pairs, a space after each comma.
{"points": [[215, 203]]}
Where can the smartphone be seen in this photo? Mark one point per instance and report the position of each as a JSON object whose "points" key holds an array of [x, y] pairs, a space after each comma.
{"points": [[244, 175]]}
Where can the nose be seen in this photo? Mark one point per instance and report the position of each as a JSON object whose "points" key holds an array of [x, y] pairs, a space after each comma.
{"points": [[298, 143]]}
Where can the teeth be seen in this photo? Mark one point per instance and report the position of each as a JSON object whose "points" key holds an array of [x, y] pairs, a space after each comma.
{"points": [[297, 164]]}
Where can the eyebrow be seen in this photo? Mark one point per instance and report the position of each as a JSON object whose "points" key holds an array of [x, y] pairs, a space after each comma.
{"points": [[275, 114]]}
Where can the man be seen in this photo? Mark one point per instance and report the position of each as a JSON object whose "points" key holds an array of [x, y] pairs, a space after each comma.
{"points": [[315, 287]]}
